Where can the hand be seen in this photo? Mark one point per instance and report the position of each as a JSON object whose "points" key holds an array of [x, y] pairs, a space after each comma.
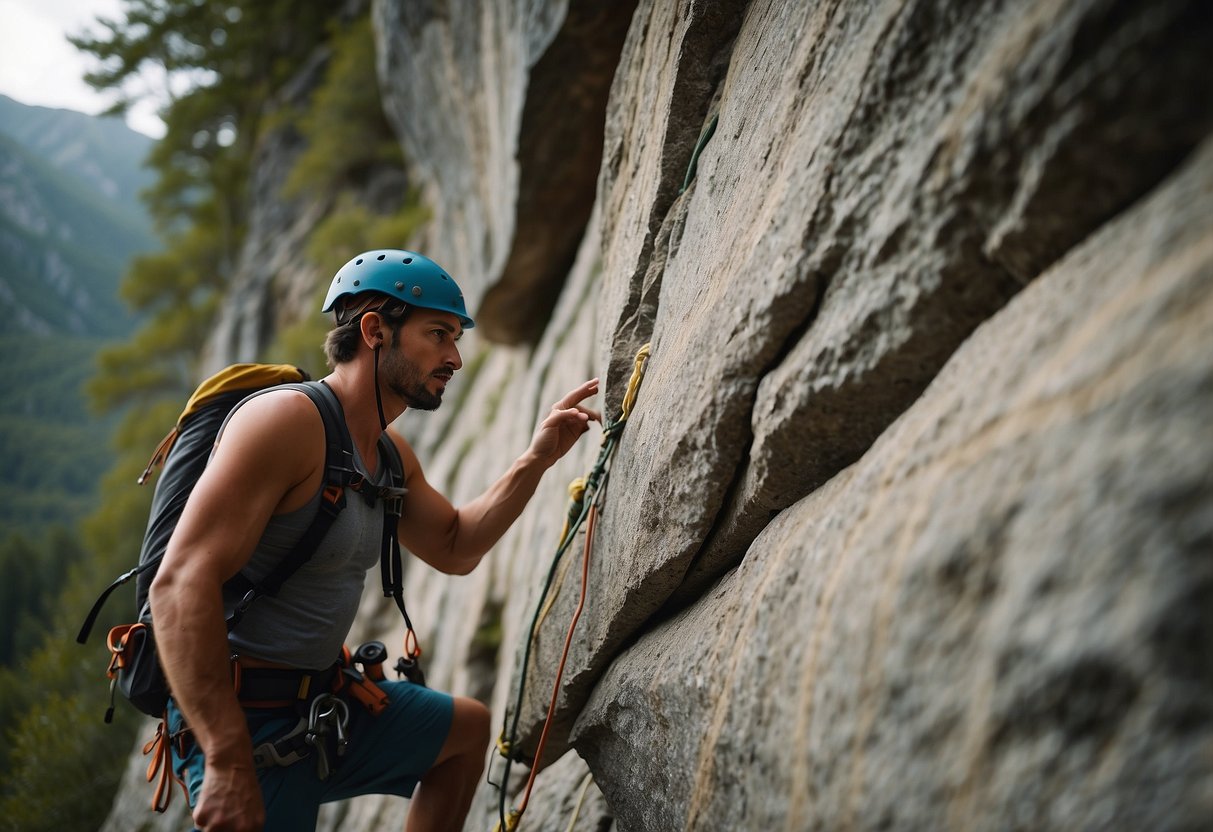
{"points": [[230, 800], [565, 424]]}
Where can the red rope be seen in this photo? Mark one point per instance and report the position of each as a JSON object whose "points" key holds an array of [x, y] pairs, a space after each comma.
{"points": [[568, 640]]}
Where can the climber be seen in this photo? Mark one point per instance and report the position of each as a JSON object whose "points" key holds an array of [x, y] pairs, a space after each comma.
{"points": [[394, 346]]}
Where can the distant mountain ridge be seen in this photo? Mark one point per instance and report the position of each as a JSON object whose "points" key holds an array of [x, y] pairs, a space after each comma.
{"points": [[70, 222], [101, 151], [70, 219]]}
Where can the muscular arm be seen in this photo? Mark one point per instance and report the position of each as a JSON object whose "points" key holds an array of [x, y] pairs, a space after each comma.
{"points": [[453, 540], [256, 470]]}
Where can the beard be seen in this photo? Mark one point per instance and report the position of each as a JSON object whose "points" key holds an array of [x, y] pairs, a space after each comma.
{"points": [[405, 378]]}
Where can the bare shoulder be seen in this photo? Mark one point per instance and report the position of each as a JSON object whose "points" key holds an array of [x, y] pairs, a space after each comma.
{"points": [[278, 435], [408, 457]]}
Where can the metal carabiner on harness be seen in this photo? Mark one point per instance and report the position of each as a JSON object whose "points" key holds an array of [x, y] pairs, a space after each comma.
{"points": [[328, 714]]}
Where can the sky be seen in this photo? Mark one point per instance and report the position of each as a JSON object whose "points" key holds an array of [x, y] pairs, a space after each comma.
{"points": [[39, 66]]}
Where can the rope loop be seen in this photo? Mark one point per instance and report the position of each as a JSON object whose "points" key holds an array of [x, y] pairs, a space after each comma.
{"points": [[629, 398]]}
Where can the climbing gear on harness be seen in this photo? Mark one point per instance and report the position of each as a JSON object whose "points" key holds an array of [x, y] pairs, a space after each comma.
{"points": [[405, 275], [272, 687], [324, 713], [160, 768], [326, 732], [134, 668], [585, 495]]}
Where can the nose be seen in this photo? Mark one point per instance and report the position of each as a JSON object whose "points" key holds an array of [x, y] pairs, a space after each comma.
{"points": [[453, 359]]}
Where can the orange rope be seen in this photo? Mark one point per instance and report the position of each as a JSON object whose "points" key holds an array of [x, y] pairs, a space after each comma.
{"points": [[568, 640]]}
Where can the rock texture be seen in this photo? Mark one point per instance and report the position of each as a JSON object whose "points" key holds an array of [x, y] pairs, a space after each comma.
{"points": [[840, 240], [1000, 614], [502, 108], [910, 526]]}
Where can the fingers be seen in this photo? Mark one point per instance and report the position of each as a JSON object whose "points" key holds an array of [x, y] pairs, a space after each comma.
{"points": [[577, 395]]}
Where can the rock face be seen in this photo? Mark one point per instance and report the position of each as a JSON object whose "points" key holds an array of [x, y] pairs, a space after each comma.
{"points": [[910, 526], [998, 616]]}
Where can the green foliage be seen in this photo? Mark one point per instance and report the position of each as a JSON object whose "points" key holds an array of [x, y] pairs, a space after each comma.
{"points": [[302, 343], [351, 228], [346, 131], [239, 54], [53, 449], [62, 740], [235, 55], [33, 578]]}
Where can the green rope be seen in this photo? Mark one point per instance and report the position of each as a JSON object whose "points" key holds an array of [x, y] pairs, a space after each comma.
{"points": [[704, 138], [595, 482]]}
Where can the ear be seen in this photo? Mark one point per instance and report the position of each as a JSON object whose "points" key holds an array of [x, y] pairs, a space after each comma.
{"points": [[373, 330]]}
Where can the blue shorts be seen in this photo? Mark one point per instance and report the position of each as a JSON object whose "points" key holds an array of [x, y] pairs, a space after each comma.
{"points": [[388, 754]]}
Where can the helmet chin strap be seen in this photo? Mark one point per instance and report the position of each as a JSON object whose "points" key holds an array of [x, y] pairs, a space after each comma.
{"points": [[378, 394]]}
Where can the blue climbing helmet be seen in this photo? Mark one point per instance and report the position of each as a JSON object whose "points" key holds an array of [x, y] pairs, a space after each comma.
{"points": [[405, 275]]}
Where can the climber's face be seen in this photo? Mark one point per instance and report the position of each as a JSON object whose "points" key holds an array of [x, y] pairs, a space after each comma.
{"points": [[420, 362]]}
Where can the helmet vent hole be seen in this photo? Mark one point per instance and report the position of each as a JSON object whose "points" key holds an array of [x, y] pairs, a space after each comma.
{"points": [[444, 277], [358, 262], [357, 282], [408, 260], [381, 256]]}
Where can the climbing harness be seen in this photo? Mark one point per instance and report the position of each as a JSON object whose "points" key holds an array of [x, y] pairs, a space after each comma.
{"points": [[585, 494]]}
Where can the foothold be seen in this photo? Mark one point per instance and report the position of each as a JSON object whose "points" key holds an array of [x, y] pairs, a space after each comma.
{"points": [[416, 291]]}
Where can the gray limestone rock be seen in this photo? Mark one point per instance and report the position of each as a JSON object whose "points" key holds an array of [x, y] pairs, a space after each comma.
{"points": [[998, 618], [500, 107], [841, 241]]}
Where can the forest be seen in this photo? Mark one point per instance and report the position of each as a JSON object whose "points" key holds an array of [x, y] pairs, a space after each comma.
{"points": [[53, 692]]}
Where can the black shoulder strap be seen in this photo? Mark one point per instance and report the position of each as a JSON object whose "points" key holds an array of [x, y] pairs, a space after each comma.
{"points": [[391, 566], [338, 470]]}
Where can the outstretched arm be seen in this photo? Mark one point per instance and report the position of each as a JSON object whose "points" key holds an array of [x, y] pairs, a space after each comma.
{"points": [[453, 540]]}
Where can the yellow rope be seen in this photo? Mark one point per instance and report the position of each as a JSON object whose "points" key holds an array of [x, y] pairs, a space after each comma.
{"points": [[511, 822], [629, 398], [585, 785], [577, 492], [576, 496], [577, 486]]}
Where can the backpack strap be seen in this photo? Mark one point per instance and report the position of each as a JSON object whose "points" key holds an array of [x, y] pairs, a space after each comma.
{"points": [[338, 473]]}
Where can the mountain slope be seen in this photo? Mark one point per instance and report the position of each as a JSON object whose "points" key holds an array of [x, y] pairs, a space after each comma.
{"points": [[70, 223], [102, 152]]}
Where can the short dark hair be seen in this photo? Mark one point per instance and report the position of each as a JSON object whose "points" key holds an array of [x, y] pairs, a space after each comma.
{"points": [[341, 343]]}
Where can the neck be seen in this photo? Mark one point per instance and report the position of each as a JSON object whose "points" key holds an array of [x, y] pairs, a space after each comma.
{"points": [[354, 384]]}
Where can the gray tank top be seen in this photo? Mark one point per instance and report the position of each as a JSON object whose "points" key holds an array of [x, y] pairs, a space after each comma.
{"points": [[306, 623]]}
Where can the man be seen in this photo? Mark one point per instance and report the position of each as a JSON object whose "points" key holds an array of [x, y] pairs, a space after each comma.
{"points": [[399, 318]]}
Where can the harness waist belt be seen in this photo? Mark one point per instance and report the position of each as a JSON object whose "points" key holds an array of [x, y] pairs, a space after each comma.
{"points": [[269, 687]]}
